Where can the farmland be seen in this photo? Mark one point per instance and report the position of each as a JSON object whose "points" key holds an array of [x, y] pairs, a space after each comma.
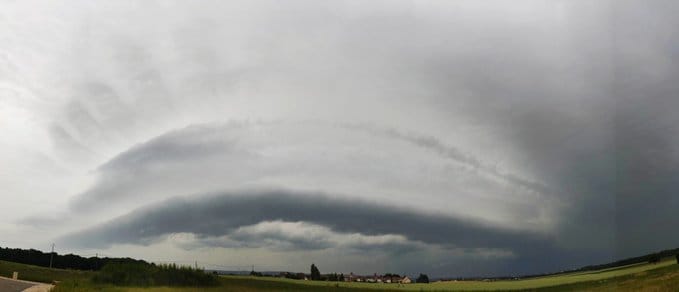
{"points": [[637, 275], [644, 276]]}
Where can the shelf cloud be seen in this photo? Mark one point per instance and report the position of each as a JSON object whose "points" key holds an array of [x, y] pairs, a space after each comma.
{"points": [[222, 214], [468, 137], [202, 158]]}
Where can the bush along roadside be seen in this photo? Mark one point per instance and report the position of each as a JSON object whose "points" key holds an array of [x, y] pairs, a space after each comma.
{"points": [[143, 274]]}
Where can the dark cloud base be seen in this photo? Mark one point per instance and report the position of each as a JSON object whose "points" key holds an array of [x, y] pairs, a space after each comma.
{"points": [[218, 214]]}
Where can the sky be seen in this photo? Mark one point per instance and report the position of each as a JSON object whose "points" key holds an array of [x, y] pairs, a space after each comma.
{"points": [[453, 138]]}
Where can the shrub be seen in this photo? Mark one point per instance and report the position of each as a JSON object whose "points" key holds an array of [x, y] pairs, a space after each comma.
{"points": [[143, 274], [423, 278]]}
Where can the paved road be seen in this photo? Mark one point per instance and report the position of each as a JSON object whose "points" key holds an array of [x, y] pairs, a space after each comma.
{"points": [[9, 285]]}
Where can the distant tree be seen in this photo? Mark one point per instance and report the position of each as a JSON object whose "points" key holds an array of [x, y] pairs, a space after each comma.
{"points": [[315, 273], [677, 256], [144, 274], [654, 259], [332, 277], [68, 261], [423, 278], [296, 276], [341, 276]]}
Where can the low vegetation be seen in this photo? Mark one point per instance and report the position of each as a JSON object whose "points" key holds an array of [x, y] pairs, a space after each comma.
{"points": [[659, 276], [649, 276], [42, 274], [142, 274], [665, 278], [68, 261]]}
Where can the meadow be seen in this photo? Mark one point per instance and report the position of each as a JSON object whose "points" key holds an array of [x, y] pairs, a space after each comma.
{"points": [[634, 276], [662, 276]]}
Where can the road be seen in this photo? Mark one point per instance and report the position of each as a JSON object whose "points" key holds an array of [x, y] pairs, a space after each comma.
{"points": [[9, 285]]}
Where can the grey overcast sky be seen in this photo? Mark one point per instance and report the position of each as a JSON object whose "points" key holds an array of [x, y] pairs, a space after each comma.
{"points": [[453, 138]]}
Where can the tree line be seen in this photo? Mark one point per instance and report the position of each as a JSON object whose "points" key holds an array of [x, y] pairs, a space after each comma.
{"points": [[145, 274], [68, 261], [650, 258]]}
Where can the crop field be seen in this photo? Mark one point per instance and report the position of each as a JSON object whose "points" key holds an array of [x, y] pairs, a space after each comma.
{"points": [[592, 278], [662, 276]]}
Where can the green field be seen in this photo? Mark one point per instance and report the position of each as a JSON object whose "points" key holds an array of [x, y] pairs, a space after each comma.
{"points": [[41, 274], [592, 279], [663, 276]]}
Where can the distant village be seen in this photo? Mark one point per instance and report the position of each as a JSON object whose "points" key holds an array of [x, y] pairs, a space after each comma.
{"points": [[386, 278], [316, 275]]}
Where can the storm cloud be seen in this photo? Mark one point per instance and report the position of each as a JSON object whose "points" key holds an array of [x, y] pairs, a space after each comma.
{"points": [[283, 153], [220, 214], [293, 221], [522, 130]]}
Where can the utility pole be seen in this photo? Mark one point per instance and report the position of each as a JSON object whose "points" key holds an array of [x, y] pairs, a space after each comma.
{"points": [[52, 255], [196, 265]]}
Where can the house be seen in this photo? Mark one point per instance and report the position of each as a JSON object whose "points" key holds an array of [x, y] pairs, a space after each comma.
{"points": [[375, 278], [350, 277]]}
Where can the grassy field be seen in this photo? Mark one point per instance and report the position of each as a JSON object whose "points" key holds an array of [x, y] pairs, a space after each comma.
{"points": [[40, 274], [663, 276]]}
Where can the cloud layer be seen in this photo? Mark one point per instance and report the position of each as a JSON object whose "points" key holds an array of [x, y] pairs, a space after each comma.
{"points": [[221, 214], [351, 160], [536, 129]]}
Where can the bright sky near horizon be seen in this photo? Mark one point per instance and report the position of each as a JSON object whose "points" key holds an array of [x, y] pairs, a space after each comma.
{"points": [[453, 138]]}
